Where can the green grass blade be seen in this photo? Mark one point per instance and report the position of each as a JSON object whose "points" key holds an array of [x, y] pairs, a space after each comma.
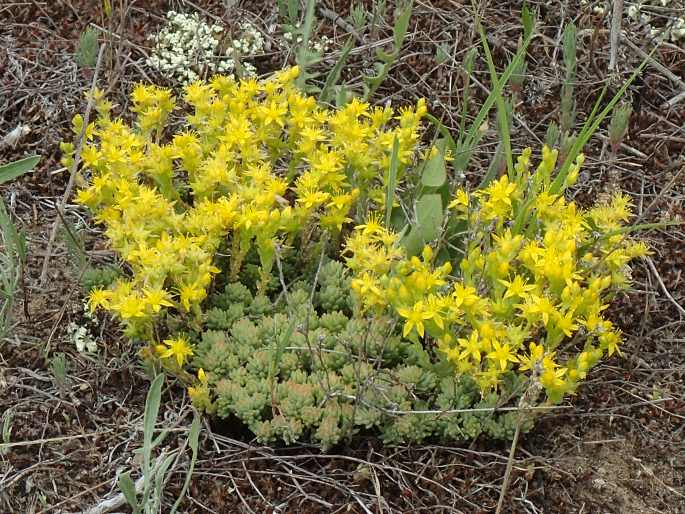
{"points": [[17, 168], [502, 112], [152, 402], [473, 135], [334, 76], [468, 67], [193, 440], [591, 126], [128, 489], [399, 31], [392, 180]]}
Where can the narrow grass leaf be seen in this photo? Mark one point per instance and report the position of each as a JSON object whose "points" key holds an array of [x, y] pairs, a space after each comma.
{"points": [[152, 403], [128, 489], [391, 183], [468, 68], [502, 111], [161, 477], [474, 133], [16, 169], [193, 440], [334, 75], [591, 126]]}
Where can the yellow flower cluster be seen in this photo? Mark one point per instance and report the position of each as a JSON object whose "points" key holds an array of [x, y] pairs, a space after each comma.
{"points": [[257, 164], [530, 289]]}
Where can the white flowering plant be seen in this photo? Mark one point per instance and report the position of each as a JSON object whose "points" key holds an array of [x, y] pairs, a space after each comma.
{"points": [[643, 12], [187, 47], [293, 36]]}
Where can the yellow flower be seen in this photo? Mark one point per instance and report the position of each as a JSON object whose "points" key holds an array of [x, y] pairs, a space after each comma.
{"points": [[366, 285], [464, 295], [565, 323], [415, 318], [501, 191], [610, 340], [537, 351], [157, 298], [541, 306], [191, 294], [552, 378], [99, 297], [517, 287], [131, 306], [471, 347], [178, 348], [373, 225], [502, 355], [460, 202]]}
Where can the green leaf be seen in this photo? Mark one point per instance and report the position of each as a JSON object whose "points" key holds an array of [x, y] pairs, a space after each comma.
{"points": [[528, 21], [429, 217], [503, 115], [341, 95], [591, 126], [401, 25], [193, 439], [308, 22], [128, 489], [569, 50], [434, 173], [334, 76], [87, 52], [304, 57], [17, 168], [152, 402], [391, 184], [293, 10], [160, 476], [552, 134], [385, 57]]}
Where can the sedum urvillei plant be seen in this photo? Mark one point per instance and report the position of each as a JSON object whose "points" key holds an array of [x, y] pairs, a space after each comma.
{"points": [[257, 166], [530, 282], [427, 332], [298, 371]]}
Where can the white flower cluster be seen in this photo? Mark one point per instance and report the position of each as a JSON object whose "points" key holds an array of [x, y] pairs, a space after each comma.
{"points": [[81, 338], [186, 46], [675, 27], [320, 46]]}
